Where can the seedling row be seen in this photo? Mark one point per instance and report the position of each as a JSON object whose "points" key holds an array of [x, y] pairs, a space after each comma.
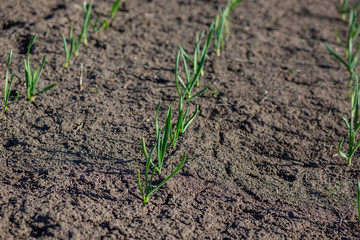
{"points": [[186, 82], [350, 60]]}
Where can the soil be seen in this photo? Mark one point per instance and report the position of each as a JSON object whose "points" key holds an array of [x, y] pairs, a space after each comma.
{"points": [[262, 158]]}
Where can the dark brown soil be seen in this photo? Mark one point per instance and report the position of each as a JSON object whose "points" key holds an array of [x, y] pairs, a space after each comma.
{"points": [[262, 160]]}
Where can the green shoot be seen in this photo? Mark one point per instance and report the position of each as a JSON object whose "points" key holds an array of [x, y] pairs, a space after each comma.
{"points": [[161, 146], [182, 123], [87, 11], [191, 79], [351, 58], [353, 125], [162, 139], [197, 55], [222, 25], [33, 78], [7, 85], [231, 5], [350, 61], [115, 8], [220, 22], [97, 28], [83, 35], [68, 53], [77, 46], [358, 199]]}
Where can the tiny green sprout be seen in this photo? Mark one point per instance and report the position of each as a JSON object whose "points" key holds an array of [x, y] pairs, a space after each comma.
{"points": [[9, 85], [332, 191], [67, 52], [32, 79], [358, 199], [115, 8], [215, 93]]}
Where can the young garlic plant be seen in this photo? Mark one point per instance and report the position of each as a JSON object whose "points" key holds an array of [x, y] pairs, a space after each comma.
{"points": [[222, 25], [185, 94], [351, 58], [32, 79], [350, 61], [162, 138], [352, 125], [191, 79], [84, 31], [220, 22], [67, 52], [197, 55], [9, 85], [87, 11], [160, 147]]}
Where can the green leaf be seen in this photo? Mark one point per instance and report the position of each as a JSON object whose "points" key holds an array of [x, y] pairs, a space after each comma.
{"points": [[353, 151], [65, 47], [17, 96], [139, 184], [176, 74], [7, 87], [144, 149], [197, 94], [339, 149], [171, 175], [346, 122], [36, 77], [332, 52], [30, 44], [46, 89], [187, 74], [191, 119], [188, 58], [86, 21], [115, 8], [182, 84]]}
